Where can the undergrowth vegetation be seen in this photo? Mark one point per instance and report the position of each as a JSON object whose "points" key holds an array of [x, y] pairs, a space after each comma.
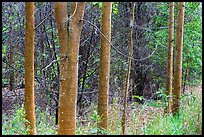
{"points": [[146, 119]]}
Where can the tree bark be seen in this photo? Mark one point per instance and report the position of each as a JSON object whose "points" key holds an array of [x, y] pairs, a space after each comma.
{"points": [[69, 36], [104, 66], [29, 68], [170, 56], [129, 67], [178, 60]]}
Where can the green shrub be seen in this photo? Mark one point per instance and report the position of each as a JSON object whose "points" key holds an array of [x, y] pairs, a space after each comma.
{"points": [[144, 122], [14, 124]]}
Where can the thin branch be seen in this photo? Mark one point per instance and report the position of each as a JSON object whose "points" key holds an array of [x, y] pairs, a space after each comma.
{"points": [[88, 92], [143, 28], [43, 20], [82, 44], [72, 14], [45, 68], [115, 47], [149, 55]]}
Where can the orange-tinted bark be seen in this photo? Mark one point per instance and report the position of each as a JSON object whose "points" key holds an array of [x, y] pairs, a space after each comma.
{"points": [[60, 11], [69, 36], [104, 67], [29, 68], [178, 60], [170, 56]]}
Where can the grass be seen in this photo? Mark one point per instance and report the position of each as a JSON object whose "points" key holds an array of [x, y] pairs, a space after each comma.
{"points": [[189, 121], [146, 119], [14, 124]]}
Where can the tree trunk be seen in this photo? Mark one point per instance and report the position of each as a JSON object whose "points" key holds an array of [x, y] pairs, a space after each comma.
{"points": [[128, 71], [12, 78], [29, 68], [69, 36], [178, 60], [170, 56], [11, 59], [60, 11], [186, 74], [104, 67]]}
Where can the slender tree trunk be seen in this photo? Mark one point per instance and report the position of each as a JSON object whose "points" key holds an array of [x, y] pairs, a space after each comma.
{"points": [[29, 68], [12, 78], [170, 56], [128, 71], [11, 59], [178, 60], [60, 11], [186, 74], [104, 67], [69, 36]]}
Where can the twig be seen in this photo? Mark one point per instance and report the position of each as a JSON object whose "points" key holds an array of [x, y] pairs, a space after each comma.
{"points": [[149, 55], [82, 44], [43, 20], [72, 14], [115, 47], [87, 92], [45, 68]]}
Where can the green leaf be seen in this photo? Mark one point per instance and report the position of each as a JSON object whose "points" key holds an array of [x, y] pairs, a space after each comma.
{"points": [[138, 97], [87, 85]]}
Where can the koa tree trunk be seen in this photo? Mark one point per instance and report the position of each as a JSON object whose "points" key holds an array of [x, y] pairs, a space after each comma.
{"points": [[104, 66], [170, 56], [29, 68], [177, 82], [69, 30]]}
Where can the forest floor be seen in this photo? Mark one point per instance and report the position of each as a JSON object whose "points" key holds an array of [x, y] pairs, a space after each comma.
{"points": [[139, 116], [10, 98]]}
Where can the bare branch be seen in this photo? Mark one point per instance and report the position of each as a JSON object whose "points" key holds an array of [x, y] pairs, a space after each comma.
{"points": [[72, 14], [115, 47], [45, 68], [43, 20]]}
